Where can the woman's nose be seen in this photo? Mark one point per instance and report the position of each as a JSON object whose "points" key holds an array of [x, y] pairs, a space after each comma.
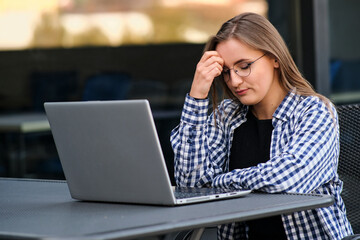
{"points": [[235, 80]]}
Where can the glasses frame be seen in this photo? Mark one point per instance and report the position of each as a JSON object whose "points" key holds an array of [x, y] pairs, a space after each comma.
{"points": [[236, 72]]}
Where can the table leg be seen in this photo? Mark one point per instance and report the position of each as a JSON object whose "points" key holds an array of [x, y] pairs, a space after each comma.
{"points": [[22, 156], [197, 233], [16, 155]]}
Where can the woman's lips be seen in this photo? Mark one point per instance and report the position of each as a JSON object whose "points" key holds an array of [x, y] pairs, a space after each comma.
{"points": [[241, 92]]}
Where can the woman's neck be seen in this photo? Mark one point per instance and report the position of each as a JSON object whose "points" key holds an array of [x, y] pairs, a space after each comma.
{"points": [[265, 109]]}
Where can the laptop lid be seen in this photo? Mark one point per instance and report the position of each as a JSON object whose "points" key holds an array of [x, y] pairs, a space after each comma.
{"points": [[110, 151]]}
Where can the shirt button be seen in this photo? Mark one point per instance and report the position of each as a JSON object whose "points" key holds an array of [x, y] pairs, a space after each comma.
{"points": [[189, 141]]}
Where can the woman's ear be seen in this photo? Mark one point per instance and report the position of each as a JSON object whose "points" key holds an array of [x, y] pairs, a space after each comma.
{"points": [[276, 63]]}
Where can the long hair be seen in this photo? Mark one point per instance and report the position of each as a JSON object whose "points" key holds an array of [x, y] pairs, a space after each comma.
{"points": [[257, 32]]}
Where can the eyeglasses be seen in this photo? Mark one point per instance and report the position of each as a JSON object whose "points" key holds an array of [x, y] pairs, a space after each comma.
{"points": [[242, 69]]}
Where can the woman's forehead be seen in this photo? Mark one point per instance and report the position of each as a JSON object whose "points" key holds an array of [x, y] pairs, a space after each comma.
{"points": [[233, 50]]}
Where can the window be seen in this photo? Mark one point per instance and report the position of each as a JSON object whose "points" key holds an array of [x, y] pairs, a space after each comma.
{"points": [[344, 50], [75, 23]]}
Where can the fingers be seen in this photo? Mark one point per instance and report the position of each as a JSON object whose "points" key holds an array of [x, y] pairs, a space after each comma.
{"points": [[211, 57], [209, 72], [209, 67]]}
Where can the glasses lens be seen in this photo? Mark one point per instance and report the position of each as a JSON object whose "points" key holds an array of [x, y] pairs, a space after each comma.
{"points": [[242, 69]]}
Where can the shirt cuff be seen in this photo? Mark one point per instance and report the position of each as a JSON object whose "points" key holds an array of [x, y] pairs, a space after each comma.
{"points": [[221, 181], [195, 110]]}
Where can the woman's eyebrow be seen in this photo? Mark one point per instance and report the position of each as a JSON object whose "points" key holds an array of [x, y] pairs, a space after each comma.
{"points": [[242, 60], [238, 61]]}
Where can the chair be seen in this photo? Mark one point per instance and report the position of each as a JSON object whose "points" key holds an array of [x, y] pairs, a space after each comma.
{"points": [[107, 86], [53, 87], [349, 167], [154, 91]]}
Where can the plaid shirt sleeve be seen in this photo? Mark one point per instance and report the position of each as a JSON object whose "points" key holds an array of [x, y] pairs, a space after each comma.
{"points": [[194, 143]]}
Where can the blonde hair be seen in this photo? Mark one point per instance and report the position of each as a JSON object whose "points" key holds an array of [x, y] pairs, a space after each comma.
{"points": [[257, 32]]}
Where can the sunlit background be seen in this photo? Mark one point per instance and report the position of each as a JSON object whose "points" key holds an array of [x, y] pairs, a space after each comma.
{"points": [[72, 23]]}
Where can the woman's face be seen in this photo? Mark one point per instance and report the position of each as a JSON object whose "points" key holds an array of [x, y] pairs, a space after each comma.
{"points": [[261, 85]]}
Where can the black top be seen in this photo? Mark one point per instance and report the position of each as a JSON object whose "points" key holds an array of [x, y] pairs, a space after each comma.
{"points": [[251, 146]]}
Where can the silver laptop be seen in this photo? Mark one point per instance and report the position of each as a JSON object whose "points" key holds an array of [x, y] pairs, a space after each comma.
{"points": [[110, 152]]}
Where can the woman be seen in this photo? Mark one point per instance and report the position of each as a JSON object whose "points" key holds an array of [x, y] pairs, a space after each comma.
{"points": [[274, 134]]}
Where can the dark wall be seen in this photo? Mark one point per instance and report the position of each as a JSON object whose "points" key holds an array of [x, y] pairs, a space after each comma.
{"points": [[160, 73], [170, 64]]}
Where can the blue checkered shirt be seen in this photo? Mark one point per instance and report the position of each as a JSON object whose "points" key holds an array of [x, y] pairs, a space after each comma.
{"points": [[304, 157]]}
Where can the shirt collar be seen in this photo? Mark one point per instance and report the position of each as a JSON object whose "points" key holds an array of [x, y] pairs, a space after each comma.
{"points": [[287, 106]]}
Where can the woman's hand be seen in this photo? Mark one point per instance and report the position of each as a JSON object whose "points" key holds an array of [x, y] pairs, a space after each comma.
{"points": [[209, 67]]}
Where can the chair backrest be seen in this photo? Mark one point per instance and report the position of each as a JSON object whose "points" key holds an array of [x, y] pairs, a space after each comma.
{"points": [[156, 92], [53, 87], [107, 86], [349, 164]]}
